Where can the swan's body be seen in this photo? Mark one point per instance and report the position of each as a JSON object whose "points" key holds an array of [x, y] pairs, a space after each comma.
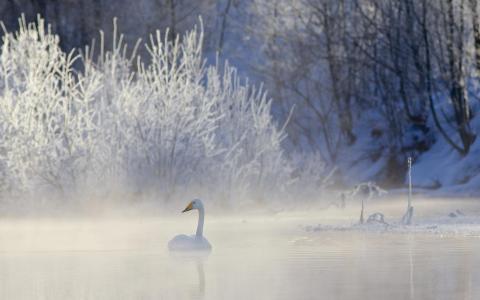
{"points": [[184, 242]]}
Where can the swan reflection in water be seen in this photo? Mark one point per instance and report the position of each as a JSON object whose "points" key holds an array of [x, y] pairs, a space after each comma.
{"points": [[194, 259]]}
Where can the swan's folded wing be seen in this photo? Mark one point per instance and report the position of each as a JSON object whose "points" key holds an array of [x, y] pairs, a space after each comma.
{"points": [[184, 242]]}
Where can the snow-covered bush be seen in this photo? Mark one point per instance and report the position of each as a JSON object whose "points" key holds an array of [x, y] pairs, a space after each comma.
{"points": [[47, 125], [165, 124]]}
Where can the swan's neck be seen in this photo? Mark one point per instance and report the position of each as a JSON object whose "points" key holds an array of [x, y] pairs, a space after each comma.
{"points": [[201, 217]]}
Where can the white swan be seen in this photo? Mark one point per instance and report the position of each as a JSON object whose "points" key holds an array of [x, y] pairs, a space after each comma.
{"points": [[184, 242]]}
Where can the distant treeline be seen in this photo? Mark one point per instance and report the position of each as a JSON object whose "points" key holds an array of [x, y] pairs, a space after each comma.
{"points": [[395, 75]]}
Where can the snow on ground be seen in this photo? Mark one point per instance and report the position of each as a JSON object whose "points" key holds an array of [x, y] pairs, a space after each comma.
{"points": [[445, 170], [440, 171]]}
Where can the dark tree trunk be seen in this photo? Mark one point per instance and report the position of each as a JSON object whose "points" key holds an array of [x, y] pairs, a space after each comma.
{"points": [[476, 34]]}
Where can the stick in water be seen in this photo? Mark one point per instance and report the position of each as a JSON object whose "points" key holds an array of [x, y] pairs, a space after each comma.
{"points": [[407, 218], [409, 182]]}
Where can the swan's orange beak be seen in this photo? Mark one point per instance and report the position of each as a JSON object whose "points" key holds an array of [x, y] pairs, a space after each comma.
{"points": [[189, 207]]}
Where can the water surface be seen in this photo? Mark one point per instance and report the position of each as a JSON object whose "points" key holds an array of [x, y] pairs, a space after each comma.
{"points": [[258, 257]]}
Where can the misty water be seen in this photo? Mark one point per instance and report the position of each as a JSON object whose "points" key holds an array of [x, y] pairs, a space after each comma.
{"points": [[256, 256]]}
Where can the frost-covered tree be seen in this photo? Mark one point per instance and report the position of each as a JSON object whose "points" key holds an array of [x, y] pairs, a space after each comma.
{"points": [[169, 123], [45, 113]]}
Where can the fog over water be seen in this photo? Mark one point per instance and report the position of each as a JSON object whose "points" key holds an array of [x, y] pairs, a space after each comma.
{"points": [[303, 156], [255, 256]]}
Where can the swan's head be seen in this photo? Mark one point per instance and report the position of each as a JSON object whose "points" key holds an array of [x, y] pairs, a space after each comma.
{"points": [[194, 204]]}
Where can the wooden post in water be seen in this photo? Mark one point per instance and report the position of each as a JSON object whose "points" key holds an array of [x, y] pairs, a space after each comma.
{"points": [[409, 182], [407, 217]]}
